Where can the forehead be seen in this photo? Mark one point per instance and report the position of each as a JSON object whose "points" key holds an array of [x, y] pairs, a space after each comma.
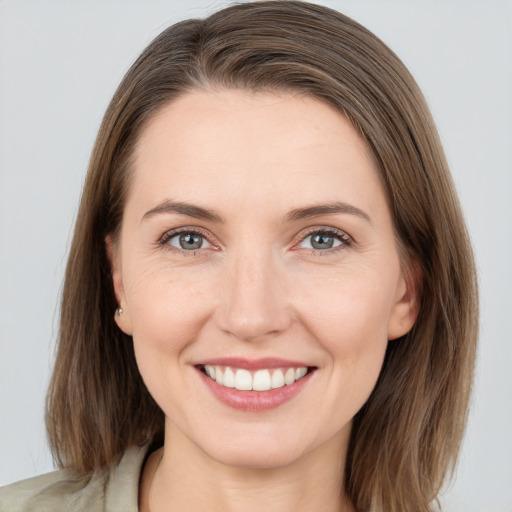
{"points": [[226, 145], [204, 116]]}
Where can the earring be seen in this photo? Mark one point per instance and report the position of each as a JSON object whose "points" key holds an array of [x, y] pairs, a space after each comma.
{"points": [[119, 311]]}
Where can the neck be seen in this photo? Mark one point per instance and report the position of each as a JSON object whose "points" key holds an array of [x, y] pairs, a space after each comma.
{"points": [[183, 477]]}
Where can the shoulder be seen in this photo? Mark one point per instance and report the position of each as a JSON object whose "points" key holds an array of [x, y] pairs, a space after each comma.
{"points": [[60, 490], [114, 489]]}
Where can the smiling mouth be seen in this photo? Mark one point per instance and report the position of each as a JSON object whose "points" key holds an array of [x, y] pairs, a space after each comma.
{"points": [[260, 380]]}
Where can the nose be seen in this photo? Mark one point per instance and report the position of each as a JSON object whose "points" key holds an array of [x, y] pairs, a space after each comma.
{"points": [[253, 300]]}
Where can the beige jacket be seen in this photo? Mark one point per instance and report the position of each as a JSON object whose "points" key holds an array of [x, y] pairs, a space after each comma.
{"points": [[112, 490]]}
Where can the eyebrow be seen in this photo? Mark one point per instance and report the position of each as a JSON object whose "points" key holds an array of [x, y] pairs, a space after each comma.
{"points": [[199, 212], [326, 209], [190, 210]]}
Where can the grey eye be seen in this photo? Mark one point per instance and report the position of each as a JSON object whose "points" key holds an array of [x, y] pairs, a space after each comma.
{"points": [[320, 241], [189, 241]]}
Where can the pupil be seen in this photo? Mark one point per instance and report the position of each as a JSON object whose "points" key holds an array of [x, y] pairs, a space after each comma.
{"points": [[191, 241], [321, 241]]}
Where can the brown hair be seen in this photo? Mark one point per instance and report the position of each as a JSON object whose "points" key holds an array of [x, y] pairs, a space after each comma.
{"points": [[406, 438]]}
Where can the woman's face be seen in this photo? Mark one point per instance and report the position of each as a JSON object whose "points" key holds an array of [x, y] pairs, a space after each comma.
{"points": [[256, 245]]}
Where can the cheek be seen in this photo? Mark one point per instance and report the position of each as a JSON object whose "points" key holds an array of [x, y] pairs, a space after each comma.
{"points": [[346, 308], [163, 300], [167, 312], [349, 317]]}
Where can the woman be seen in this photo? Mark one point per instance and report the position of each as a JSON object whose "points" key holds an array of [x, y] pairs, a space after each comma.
{"points": [[269, 214]]}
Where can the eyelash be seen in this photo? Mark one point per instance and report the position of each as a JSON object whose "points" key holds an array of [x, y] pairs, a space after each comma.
{"points": [[163, 242], [344, 238]]}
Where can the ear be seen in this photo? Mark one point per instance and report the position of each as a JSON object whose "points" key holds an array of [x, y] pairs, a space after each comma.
{"points": [[407, 302], [122, 320]]}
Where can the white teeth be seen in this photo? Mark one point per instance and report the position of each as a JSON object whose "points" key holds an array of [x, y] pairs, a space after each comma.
{"points": [[289, 376], [243, 380], [229, 378], [300, 372], [277, 379], [218, 375], [262, 380]]}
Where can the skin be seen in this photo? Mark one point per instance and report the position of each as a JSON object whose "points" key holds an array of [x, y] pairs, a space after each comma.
{"points": [[256, 288]]}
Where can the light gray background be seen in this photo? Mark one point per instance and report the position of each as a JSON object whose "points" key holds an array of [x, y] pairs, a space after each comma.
{"points": [[60, 62]]}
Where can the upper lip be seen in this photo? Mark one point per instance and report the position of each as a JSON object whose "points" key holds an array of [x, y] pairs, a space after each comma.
{"points": [[253, 364]]}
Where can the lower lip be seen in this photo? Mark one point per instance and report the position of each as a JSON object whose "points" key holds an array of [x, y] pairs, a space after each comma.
{"points": [[255, 401]]}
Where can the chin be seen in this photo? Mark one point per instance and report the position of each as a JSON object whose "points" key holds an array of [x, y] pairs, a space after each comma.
{"points": [[272, 456], [271, 448]]}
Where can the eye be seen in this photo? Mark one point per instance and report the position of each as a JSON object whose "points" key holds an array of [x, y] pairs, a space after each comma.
{"points": [[324, 240], [187, 241]]}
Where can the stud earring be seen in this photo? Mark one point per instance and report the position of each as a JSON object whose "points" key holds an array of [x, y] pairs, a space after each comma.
{"points": [[119, 311]]}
